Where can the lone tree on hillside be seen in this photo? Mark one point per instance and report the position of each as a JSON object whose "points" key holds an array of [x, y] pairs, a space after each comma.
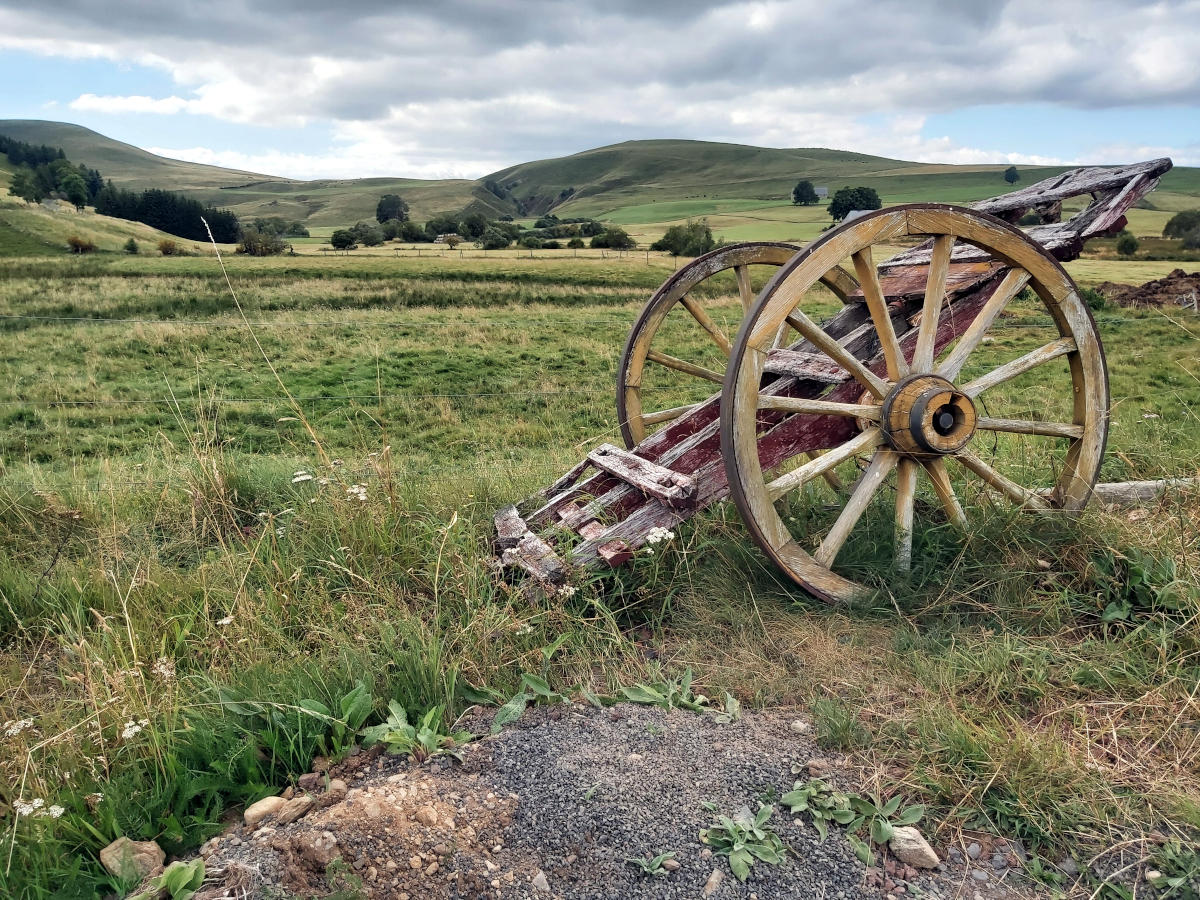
{"points": [[343, 239], [1179, 225], [803, 194], [391, 206], [1011, 175], [849, 199]]}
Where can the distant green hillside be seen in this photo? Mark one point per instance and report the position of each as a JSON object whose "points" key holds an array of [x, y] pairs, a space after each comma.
{"points": [[645, 185]]}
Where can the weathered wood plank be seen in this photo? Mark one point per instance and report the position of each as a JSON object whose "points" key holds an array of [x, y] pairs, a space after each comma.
{"points": [[667, 485]]}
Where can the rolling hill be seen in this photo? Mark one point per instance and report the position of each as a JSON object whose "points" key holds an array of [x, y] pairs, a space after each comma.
{"points": [[644, 185]]}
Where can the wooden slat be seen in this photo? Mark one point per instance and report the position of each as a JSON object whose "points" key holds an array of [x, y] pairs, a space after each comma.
{"points": [[821, 339], [669, 486], [806, 365], [906, 488]]}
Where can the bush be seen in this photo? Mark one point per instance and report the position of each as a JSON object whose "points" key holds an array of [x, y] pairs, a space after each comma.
{"points": [[367, 234], [131, 246], [1191, 240], [1127, 244], [168, 247], [614, 238], [575, 243], [1182, 224], [552, 245], [80, 245], [492, 239], [529, 242], [691, 239], [261, 243], [343, 239], [1093, 298]]}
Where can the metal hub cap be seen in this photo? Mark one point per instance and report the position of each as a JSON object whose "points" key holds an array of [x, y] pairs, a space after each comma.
{"points": [[925, 415]]}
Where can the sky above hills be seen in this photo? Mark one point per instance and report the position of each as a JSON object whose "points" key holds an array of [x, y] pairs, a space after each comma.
{"points": [[308, 88]]}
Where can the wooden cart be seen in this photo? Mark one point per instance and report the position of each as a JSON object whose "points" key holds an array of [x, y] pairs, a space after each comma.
{"points": [[880, 388]]}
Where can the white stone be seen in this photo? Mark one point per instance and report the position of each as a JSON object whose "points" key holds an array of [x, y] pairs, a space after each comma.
{"points": [[256, 812], [910, 847]]}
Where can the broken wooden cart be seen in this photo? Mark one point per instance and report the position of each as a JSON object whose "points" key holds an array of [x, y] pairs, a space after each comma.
{"points": [[883, 383]]}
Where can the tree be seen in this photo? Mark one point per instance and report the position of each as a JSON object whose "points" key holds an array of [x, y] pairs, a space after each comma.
{"points": [[131, 246], [848, 199], [75, 189], [614, 238], [412, 233], [1011, 175], [1178, 226], [804, 194], [25, 186], [575, 243], [391, 206], [444, 223], [453, 240], [472, 226], [261, 242], [1127, 244], [691, 239], [343, 239], [491, 239], [367, 234]]}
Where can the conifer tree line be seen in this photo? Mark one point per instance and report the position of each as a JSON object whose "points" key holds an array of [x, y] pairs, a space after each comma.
{"points": [[45, 171]]}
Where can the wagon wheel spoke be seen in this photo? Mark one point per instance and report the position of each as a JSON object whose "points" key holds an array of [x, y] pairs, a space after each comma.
{"points": [[820, 407], [1019, 366], [667, 415], [1009, 287], [705, 321], [745, 290], [682, 365], [906, 488], [882, 463], [821, 339], [830, 476], [868, 279], [939, 477], [1016, 493], [1025, 426], [935, 295], [868, 440]]}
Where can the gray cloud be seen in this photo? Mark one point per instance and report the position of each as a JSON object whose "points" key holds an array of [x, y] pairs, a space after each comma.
{"points": [[482, 82]]}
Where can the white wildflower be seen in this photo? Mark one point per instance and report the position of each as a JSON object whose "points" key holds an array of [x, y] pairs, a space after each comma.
{"points": [[130, 730], [55, 811], [657, 534], [525, 629], [300, 476], [357, 492], [94, 798], [280, 531], [164, 668], [567, 590], [24, 808], [12, 729], [322, 481], [225, 621]]}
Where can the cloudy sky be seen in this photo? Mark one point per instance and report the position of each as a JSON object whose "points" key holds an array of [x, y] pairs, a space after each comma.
{"points": [[313, 88]]}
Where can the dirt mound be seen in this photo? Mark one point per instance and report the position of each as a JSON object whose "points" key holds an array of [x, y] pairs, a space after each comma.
{"points": [[555, 806], [1177, 289]]}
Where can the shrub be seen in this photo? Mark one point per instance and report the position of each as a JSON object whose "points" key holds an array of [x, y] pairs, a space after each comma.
{"points": [[131, 246], [575, 243], [1182, 224], [491, 239], [261, 243], [1127, 244], [1191, 240], [1093, 298], [343, 239], [691, 239], [80, 245], [168, 247], [614, 238], [553, 245], [367, 234], [529, 242]]}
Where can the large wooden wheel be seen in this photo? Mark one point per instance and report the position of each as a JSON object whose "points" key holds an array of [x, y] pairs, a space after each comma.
{"points": [[920, 399], [678, 303]]}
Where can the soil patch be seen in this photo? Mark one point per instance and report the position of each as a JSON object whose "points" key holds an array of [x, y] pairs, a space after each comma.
{"points": [[555, 805], [1176, 289]]}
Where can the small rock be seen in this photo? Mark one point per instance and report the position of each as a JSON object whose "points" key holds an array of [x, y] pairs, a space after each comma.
{"points": [[1044, 565], [714, 882], [431, 869], [317, 850], [294, 809], [955, 854], [979, 875], [818, 767], [337, 786], [706, 853], [671, 865], [414, 862], [973, 850], [256, 812], [635, 757], [910, 847], [132, 859], [800, 727], [427, 816], [540, 883], [441, 850], [1068, 866], [310, 781], [288, 793], [570, 859]]}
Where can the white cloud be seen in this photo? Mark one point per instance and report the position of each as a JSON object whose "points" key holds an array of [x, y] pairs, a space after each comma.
{"points": [[467, 88]]}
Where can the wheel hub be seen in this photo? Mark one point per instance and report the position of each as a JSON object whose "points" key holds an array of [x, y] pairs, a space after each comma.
{"points": [[926, 415]]}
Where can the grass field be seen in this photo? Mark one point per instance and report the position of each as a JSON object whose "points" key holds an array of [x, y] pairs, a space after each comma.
{"points": [[163, 553]]}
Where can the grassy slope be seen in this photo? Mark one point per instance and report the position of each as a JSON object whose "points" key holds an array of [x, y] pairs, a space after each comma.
{"points": [[646, 185]]}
